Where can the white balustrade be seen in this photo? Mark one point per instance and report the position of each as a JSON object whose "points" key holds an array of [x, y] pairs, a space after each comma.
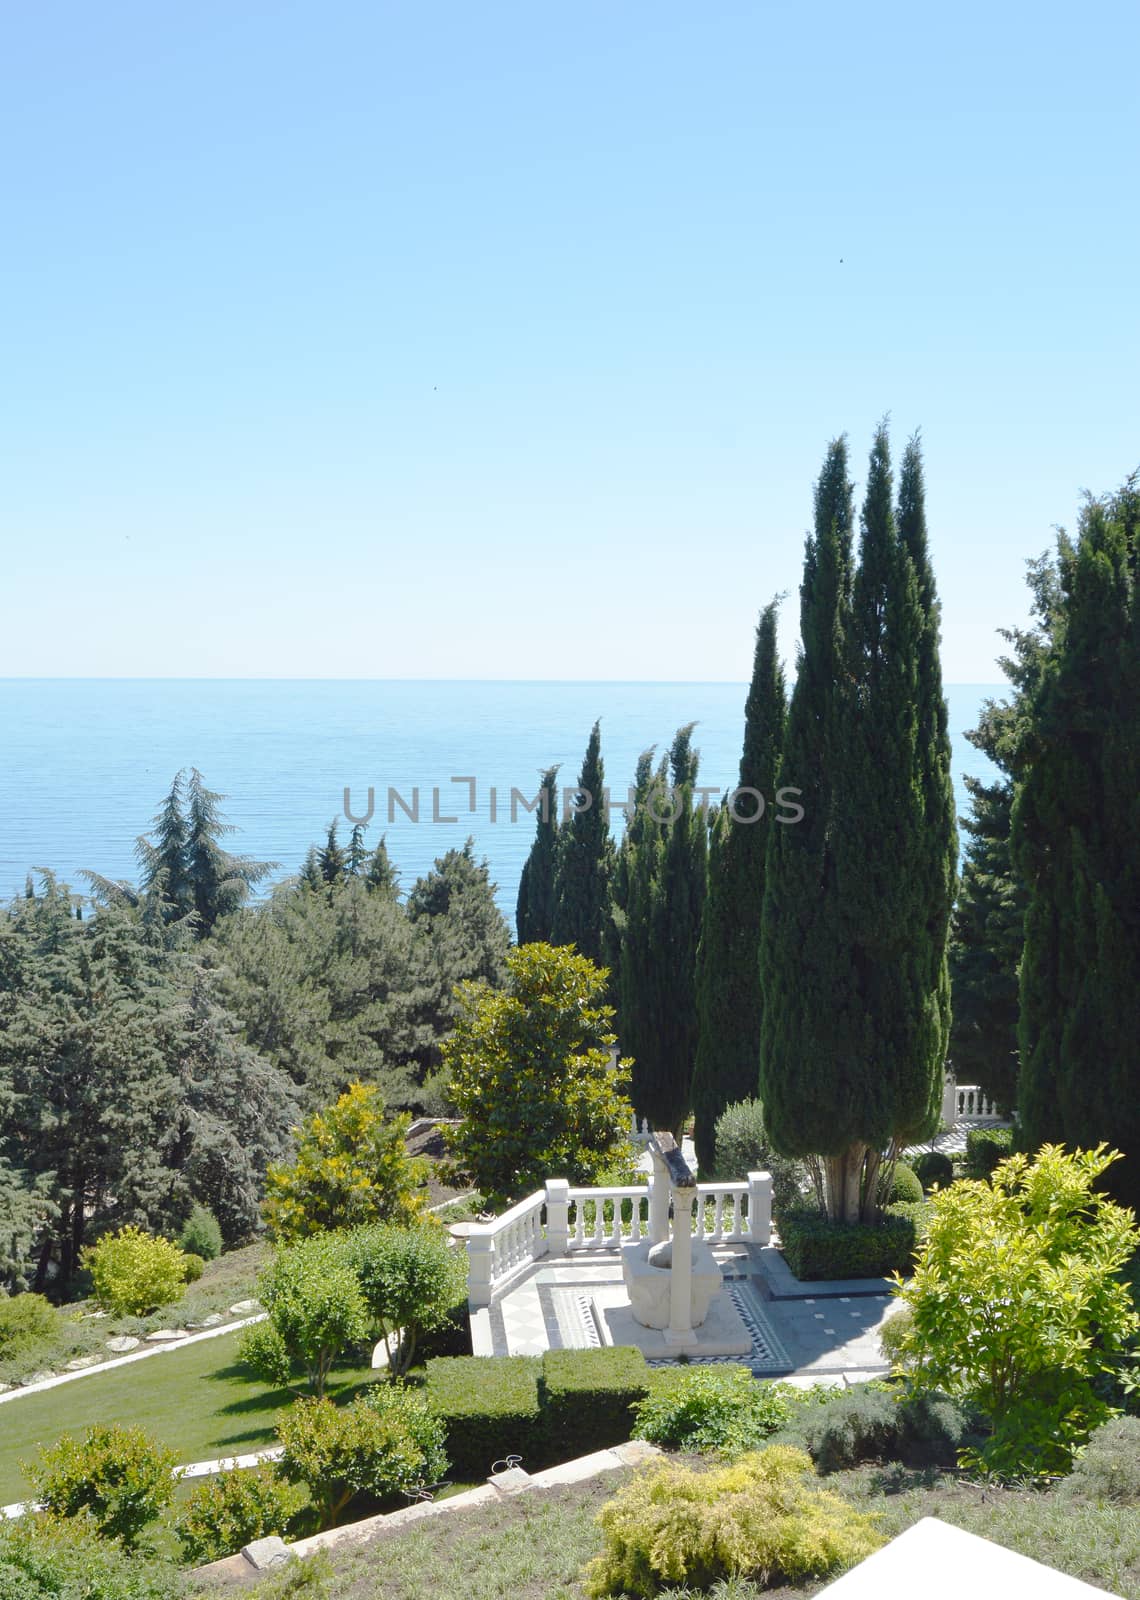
{"points": [[972, 1101]]}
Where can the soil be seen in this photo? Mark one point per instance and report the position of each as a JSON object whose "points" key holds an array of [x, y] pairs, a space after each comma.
{"points": [[428, 1142]]}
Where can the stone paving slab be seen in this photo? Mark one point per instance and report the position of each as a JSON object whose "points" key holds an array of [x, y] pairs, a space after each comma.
{"points": [[783, 1284]]}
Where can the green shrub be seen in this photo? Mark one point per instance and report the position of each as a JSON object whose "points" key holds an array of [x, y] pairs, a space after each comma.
{"points": [[385, 1441], [985, 1147], [854, 1425], [134, 1273], [51, 1558], [410, 1279], [489, 1408], [117, 1476], [933, 1167], [712, 1408], [26, 1320], [763, 1519], [192, 1267], [815, 1248], [226, 1512], [905, 1185], [1109, 1466], [587, 1398], [742, 1146], [316, 1310], [934, 1428], [201, 1234]]}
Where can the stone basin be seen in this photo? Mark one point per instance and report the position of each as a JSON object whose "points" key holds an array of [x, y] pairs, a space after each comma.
{"points": [[648, 1284]]}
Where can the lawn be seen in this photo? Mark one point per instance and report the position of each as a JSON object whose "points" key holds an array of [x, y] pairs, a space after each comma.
{"points": [[197, 1400], [532, 1547]]}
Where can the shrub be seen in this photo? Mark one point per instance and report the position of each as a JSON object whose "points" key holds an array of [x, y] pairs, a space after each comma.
{"points": [[315, 1311], [26, 1320], [587, 1398], [933, 1167], [51, 1558], [226, 1512], [854, 1425], [815, 1248], [742, 1146], [201, 1234], [118, 1476], [985, 1147], [712, 1408], [905, 1185], [934, 1427], [133, 1273], [489, 1407], [352, 1168], [1108, 1468], [386, 1440], [1016, 1277], [762, 1519], [410, 1279], [192, 1267]]}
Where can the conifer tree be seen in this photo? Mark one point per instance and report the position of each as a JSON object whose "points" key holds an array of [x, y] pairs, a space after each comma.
{"points": [[534, 915], [382, 874], [584, 862], [331, 859], [728, 962], [1077, 845], [356, 859], [662, 881]]}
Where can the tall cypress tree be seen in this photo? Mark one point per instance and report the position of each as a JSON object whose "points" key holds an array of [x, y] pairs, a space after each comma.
{"points": [[584, 862], [663, 884], [534, 912], [869, 1073], [728, 973], [1076, 840]]}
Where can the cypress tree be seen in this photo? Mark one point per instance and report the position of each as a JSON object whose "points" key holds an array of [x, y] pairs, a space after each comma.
{"points": [[584, 862], [534, 913], [663, 883], [728, 974], [1076, 841]]}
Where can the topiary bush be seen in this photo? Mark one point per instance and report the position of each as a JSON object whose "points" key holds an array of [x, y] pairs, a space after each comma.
{"points": [[985, 1148], [134, 1273], [1109, 1466], [721, 1409], [410, 1279], [905, 1185], [489, 1408], [742, 1146], [934, 1167], [26, 1320], [853, 1426], [228, 1511], [762, 1519], [118, 1477], [201, 1234], [587, 1398], [815, 1248], [385, 1441]]}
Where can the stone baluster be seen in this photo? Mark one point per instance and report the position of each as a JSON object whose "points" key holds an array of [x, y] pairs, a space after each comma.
{"points": [[760, 1207]]}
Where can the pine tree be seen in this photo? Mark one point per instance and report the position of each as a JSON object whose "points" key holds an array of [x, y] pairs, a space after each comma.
{"points": [[356, 860], [728, 970], [164, 860], [584, 862], [331, 859], [534, 914], [382, 874], [662, 884], [1076, 843]]}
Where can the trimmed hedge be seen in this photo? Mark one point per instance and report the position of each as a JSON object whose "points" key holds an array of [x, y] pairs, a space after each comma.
{"points": [[934, 1167], [985, 1147], [489, 1408], [587, 1398], [815, 1248], [905, 1185]]}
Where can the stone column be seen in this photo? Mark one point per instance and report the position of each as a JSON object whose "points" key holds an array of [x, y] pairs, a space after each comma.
{"points": [[480, 1266], [557, 1216], [760, 1207], [681, 1272], [658, 1199]]}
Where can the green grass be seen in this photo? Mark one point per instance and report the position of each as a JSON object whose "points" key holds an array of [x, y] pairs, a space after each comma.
{"points": [[198, 1401], [533, 1547]]}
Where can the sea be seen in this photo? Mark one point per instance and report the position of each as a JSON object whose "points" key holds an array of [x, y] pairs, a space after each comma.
{"points": [[85, 763]]}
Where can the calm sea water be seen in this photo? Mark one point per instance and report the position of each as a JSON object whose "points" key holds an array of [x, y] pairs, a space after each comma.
{"points": [[86, 762]]}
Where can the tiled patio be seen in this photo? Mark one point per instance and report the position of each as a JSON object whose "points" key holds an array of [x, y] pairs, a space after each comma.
{"points": [[818, 1331]]}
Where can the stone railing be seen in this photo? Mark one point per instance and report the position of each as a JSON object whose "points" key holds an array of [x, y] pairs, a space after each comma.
{"points": [[564, 1220], [967, 1100]]}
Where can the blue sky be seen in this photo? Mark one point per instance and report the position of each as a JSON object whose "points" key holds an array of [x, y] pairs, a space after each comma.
{"points": [[506, 340]]}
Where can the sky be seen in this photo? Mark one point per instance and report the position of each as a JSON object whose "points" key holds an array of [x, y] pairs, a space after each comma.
{"points": [[506, 340]]}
